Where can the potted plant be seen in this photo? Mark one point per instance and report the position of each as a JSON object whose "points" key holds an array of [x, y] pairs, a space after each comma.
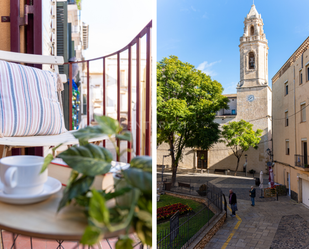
{"points": [[132, 190], [202, 190]]}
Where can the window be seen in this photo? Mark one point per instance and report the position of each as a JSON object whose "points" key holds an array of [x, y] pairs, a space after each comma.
{"points": [[286, 89], [303, 112], [252, 30], [286, 118], [307, 73], [287, 147], [233, 112], [305, 151], [251, 61], [300, 78]]}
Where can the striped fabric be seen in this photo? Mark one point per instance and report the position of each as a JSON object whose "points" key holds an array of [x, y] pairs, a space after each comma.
{"points": [[28, 102]]}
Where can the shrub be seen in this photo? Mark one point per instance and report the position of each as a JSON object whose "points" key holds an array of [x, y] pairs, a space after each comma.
{"points": [[203, 187], [168, 211]]}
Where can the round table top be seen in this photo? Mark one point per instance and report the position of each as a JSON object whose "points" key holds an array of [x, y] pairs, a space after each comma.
{"points": [[41, 220]]}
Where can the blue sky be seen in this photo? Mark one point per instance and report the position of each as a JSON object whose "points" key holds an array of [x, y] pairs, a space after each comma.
{"points": [[205, 33]]}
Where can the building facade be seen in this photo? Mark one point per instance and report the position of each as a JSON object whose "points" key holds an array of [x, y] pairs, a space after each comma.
{"points": [[251, 103], [290, 127], [96, 93]]}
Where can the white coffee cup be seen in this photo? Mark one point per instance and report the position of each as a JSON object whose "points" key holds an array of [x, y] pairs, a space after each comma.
{"points": [[21, 175]]}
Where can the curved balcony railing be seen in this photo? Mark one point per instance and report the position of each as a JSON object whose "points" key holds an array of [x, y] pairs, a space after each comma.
{"points": [[140, 140], [301, 161]]}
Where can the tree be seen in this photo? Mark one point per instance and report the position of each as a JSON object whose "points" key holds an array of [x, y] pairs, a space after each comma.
{"points": [[187, 102], [240, 136]]}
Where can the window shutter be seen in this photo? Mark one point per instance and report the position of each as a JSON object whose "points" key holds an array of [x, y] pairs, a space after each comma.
{"points": [[62, 34], [63, 50]]}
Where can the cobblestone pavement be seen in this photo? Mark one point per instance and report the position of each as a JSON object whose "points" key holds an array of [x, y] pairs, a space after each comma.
{"points": [[269, 224], [291, 224]]}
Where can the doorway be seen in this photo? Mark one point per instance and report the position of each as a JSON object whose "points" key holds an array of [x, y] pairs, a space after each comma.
{"points": [[202, 159], [305, 192]]}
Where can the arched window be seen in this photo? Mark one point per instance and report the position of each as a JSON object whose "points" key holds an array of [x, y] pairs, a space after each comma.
{"points": [[251, 61], [252, 30]]}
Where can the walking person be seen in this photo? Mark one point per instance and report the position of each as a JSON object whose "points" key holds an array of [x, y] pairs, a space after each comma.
{"points": [[252, 195], [233, 202]]}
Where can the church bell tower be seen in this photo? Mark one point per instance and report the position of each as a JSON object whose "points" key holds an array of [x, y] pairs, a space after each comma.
{"points": [[253, 52], [253, 92]]}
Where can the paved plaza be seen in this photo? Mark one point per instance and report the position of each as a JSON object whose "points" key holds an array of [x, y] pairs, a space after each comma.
{"points": [[281, 224]]}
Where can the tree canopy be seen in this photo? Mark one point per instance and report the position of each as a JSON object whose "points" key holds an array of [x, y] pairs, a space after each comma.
{"points": [[187, 102], [240, 136]]}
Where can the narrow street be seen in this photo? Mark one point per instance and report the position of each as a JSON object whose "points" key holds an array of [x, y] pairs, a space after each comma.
{"points": [[269, 224]]}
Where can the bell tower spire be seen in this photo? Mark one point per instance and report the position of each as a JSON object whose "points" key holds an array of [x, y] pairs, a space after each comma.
{"points": [[253, 51]]}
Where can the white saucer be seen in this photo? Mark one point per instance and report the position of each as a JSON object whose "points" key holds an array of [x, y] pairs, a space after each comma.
{"points": [[118, 166], [51, 186]]}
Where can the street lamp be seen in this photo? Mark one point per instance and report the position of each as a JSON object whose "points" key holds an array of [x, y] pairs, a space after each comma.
{"points": [[269, 152]]}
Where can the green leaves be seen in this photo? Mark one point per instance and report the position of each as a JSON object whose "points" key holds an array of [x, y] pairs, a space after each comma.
{"points": [[89, 159], [125, 135], [143, 227], [91, 236], [75, 189], [142, 162], [240, 136], [144, 233], [98, 210], [139, 179], [124, 241], [187, 102], [83, 135], [108, 125], [134, 190], [47, 161]]}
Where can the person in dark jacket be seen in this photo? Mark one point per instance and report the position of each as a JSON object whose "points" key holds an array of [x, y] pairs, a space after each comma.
{"points": [[233, 202], [252, 195]]}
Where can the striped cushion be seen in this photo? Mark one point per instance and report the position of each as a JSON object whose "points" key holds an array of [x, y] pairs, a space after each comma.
{"points": [[28, 102]]}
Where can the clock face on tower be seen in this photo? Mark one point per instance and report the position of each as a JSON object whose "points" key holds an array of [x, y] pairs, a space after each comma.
{"points": [[250, 98]]}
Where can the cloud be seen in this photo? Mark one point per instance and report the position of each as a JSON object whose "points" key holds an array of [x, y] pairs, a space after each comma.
{"points": [[205, 15], [193, 8], [205, 67]]}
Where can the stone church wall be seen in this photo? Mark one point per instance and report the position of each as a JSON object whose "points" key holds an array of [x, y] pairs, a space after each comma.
{"points": [[187, 162]]}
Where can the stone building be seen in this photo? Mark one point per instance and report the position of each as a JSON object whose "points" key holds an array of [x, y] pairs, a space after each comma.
{"points": [[290, 127], [251, 103]]}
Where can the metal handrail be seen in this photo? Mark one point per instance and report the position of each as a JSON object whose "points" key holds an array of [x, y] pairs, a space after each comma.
{"points": [[301, 161], [136, 40]]}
